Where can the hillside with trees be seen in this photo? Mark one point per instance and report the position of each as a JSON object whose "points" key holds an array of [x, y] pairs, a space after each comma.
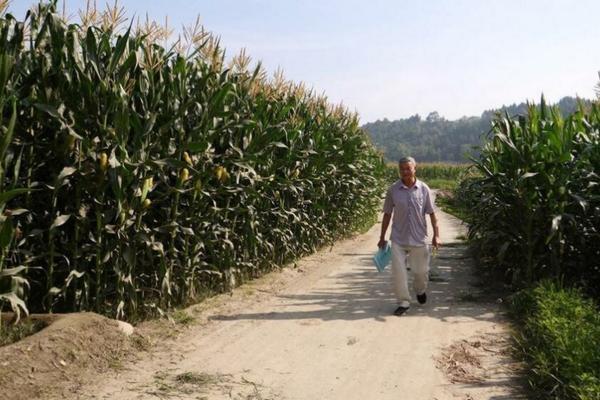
{"points": [[436, 139]]}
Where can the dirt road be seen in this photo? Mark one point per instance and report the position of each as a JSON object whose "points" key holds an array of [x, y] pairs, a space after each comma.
{"points": [[325, 330]]}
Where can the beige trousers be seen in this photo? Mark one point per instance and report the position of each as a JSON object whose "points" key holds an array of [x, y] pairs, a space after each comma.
{"points": [[418, 259]]}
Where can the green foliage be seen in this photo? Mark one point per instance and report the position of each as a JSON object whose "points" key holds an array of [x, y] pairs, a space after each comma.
{"points": [[536, 208], [429, 171], [13, 332], [182, 317], [436, 139], [12, 283], [436, 175], [462, 198], [451, 206], [559, 337], [160, 175], [445, 184]]}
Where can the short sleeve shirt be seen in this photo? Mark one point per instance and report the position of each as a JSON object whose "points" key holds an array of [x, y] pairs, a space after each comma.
{"points": [[410, 207]]}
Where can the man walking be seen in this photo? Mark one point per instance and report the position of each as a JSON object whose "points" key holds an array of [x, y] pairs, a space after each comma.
{"points": [[409, 200]]}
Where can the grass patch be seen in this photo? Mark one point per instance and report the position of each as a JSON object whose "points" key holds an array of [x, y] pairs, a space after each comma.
{"points": [[559, 333], [452, 207], [11, 333], [167, 386], [183, 318], [116, 364], [446, 184], [140, 342], [193, 378]]}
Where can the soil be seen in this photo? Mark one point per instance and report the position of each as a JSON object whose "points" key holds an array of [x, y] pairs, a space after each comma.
{"points": [[67, 352], [322, 329]]}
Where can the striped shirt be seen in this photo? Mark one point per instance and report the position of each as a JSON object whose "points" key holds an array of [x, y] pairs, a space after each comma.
{"points": [[410, 207]]}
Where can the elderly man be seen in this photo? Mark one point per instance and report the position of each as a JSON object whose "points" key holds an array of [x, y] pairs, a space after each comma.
{"points": [[409, 200]]}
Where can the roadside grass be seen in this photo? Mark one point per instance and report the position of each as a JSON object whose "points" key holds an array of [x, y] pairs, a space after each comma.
{"points": [[201, 385], [453, 207], [558, 336], [194, 378], [440, 183], [181, 317]]}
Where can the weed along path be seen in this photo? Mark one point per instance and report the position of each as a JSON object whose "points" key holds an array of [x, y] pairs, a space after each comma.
{"points": [[325, 330]]}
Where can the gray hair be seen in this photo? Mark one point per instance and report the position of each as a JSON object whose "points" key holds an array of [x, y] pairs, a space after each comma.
{"points": [[405, 160]]}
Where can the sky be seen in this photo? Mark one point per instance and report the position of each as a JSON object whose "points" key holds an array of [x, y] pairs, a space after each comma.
{"points": [[396, 58]]}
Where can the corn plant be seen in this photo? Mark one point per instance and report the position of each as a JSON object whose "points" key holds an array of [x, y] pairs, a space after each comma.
{"points": [[536, 205], [163, 174], [12, 283], [436, 175]]}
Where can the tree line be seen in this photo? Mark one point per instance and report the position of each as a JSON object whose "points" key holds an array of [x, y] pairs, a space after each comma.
{"points": [[436, 139]]}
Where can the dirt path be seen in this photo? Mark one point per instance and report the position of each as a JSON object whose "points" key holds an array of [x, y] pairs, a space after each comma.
{"points": [[325, 330]]}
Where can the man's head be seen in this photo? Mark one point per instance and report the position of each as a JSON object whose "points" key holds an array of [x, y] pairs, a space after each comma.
{"points": [[407, 168]]}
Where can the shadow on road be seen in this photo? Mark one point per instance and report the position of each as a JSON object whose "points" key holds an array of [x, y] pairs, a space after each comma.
{"points": [[360, 292]]}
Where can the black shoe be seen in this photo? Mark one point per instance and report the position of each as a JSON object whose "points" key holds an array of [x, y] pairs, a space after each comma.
{"points": [[400, 310], [422, 298]]}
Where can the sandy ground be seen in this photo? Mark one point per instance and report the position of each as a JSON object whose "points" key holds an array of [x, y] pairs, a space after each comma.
{"points": [[325, 330]]}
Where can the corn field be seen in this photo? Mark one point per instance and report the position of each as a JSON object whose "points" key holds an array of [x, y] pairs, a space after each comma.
{"points": [[431, 171], [535, 210], [137, 177]]}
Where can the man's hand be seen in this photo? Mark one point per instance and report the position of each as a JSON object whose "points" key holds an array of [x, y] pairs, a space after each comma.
{"points": [[436, 231], [436, 242], [384, 225]]}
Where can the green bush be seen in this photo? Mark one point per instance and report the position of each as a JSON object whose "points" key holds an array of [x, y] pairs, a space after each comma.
{"points": [[559, 337]]}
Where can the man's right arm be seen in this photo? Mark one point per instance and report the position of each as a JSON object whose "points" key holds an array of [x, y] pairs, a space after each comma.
{"points": [[384, 225]]}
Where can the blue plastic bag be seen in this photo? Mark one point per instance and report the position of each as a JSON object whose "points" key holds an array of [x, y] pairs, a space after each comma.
{"points": [[383, 257]]}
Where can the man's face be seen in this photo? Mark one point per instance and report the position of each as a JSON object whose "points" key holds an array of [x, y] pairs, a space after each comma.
{"points": [[407, 171]]}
